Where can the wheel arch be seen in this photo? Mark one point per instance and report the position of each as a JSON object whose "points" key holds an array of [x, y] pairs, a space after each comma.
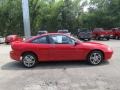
{"points": [[31, 52], [96, 50]]}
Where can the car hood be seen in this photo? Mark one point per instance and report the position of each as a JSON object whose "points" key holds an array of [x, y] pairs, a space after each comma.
{"points": [[95, 45]]}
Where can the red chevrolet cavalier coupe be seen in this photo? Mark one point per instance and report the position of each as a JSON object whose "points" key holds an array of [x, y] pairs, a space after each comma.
{"points": [[58, 47]]}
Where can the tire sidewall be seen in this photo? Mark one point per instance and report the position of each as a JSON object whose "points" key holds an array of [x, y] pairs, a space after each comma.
{"points": [[32, 56], [102, 57]]}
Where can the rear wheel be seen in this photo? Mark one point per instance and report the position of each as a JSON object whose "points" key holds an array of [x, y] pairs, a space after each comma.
{"points": [[95, 57], [29, 60]]}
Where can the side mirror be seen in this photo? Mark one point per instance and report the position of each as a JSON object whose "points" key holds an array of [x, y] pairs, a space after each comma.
{"points": [[76, 43]]}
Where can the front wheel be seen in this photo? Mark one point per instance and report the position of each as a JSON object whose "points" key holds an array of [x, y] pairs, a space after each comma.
{"points": [[29, 60], [95, 57]]}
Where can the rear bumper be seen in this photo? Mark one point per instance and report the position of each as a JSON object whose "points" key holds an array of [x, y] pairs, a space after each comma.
{"points": [[15, 55]]}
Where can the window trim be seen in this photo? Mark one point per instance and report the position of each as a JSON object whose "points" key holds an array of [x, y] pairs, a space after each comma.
{"points": [[47, 39], [60, 35]]}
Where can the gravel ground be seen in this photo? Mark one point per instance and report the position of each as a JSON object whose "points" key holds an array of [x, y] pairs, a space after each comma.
{"points": [[60, 75]]}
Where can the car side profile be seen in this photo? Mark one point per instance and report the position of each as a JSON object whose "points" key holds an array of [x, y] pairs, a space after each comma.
{"points": [[116, 33], [58, 47], [100, 34]]}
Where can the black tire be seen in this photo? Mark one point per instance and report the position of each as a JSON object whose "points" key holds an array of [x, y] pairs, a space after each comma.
{"points": [[31, 61], [7, 43], [117, 37], [84, 39], [95, 60], [98, 38], [89, 39], [108, 38]]}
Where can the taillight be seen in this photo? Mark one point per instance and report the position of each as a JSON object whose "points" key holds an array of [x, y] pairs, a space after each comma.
{"points": [[12, 44], [15, 45]]}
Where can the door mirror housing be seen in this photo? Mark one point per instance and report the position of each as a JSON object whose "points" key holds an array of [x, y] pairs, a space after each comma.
{"points": [[76, 43]]}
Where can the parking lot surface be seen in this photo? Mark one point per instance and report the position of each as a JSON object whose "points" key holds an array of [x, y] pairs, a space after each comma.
{"points": [[60, 75]]}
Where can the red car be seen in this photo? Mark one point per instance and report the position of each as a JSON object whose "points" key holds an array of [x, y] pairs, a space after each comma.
{"points": [[116, 33], [12, 38], [100, 33], [58, 47], [111, 33]]}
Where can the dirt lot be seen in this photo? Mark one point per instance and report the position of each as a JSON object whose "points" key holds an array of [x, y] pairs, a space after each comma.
{"points": [[60, 75]]}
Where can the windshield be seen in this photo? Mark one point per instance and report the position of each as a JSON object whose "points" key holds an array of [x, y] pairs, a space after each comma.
{"points": [[76, 39]]}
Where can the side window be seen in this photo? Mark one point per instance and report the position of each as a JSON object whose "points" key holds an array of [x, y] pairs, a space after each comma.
{"points": [[61, 39], [42, 40], [55, 39]]}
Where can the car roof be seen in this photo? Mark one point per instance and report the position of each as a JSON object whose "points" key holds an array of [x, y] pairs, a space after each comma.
{"points": [[53, 34], [46, 35]]}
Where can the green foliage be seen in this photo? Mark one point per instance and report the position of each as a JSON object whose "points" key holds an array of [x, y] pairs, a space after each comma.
{"points": [[10, 17], [59, 14], [105, 13]]}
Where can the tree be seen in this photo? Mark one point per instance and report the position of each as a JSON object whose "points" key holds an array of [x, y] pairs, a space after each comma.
{"points": [[11, 17]]}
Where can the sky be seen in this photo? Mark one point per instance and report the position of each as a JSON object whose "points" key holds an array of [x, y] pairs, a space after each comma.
{"points": [[87, 6]]}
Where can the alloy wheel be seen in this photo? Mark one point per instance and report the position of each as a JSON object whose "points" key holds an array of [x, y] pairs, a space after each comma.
{"points": [[29, 60]]}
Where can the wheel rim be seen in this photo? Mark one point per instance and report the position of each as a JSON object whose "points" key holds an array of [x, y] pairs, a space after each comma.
{"points": [[95, 58], [29, 61]]}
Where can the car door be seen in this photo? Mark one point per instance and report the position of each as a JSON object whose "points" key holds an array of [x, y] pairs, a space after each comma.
{"points": [[63, 47], [42, 47]]}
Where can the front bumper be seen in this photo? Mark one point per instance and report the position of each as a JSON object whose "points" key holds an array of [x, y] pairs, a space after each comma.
{"points": [[108, 55], [15, 55]]}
